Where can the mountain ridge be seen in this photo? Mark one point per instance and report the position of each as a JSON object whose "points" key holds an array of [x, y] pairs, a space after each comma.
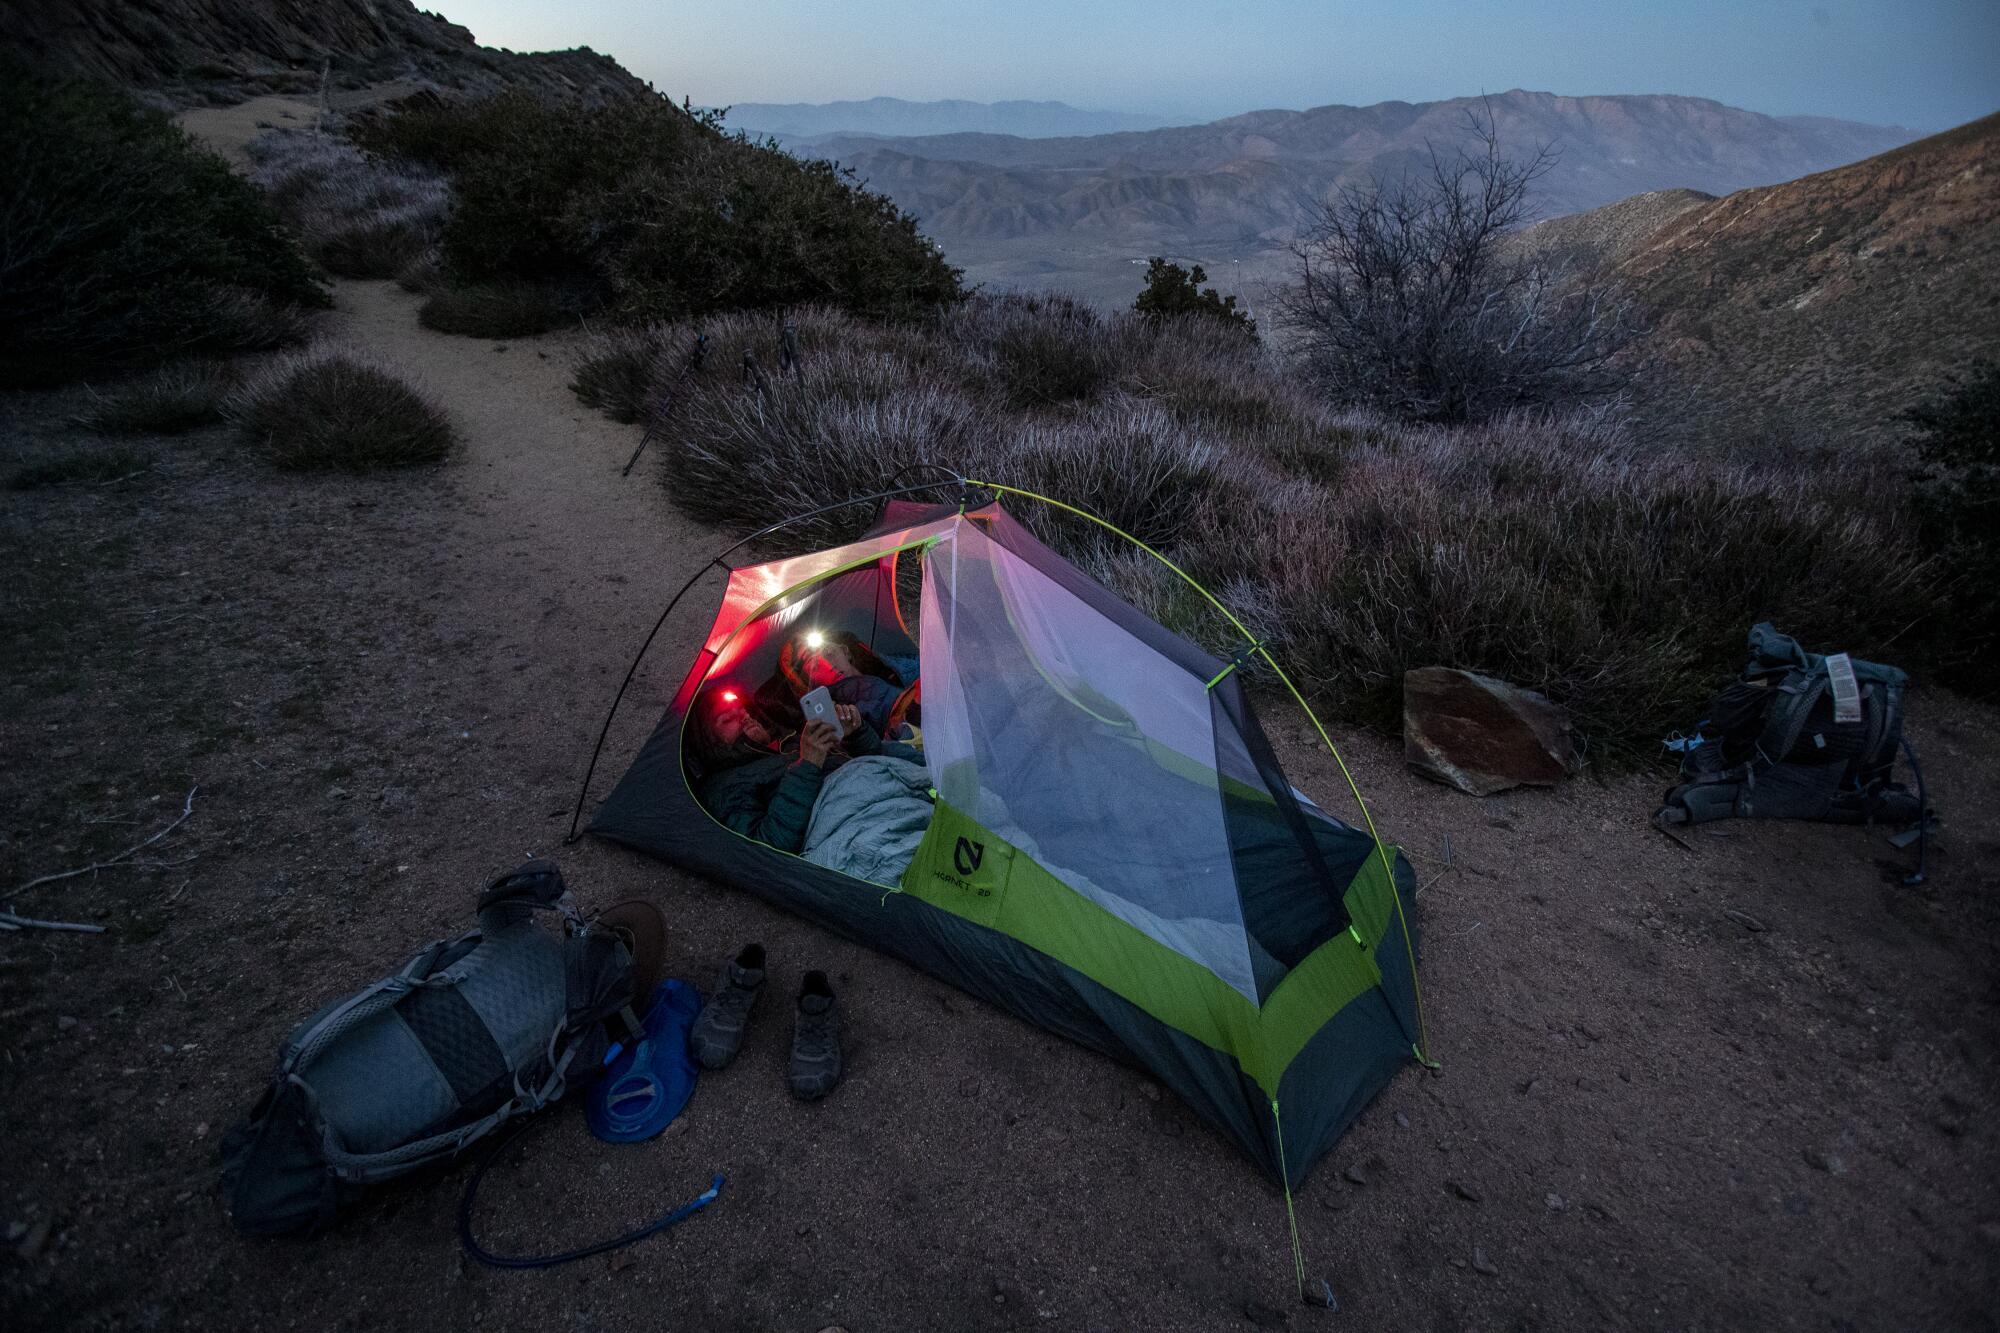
{"points": [[893, 117], [1078, 211], [208, 51]]}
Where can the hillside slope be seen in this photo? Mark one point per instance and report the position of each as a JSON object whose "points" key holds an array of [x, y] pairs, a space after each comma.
{"points": [[1826, 305], [194, 51], [1607, 235]]}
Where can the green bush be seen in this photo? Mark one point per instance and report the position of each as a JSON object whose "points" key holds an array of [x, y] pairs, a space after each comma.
{"points": [[500, 309], [335, 410], [654, 212], [125, 242], [177, 397], [1172, 292], [1956, 438]]}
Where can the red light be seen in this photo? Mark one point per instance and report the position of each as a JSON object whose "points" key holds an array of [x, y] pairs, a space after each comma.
{"points": [[729, 696]]}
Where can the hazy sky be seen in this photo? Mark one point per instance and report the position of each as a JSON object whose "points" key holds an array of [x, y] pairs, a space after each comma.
{"points": [[1927, 64]]}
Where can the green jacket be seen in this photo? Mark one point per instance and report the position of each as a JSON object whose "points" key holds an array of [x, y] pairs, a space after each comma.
{"points": [[770, 798]]}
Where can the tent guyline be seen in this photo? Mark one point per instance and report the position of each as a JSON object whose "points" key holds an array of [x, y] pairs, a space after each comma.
{"points": [[1094, 833]]}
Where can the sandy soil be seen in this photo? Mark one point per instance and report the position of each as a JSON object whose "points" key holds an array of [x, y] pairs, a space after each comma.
{"points": [[1653, 1113], [229, 129]]}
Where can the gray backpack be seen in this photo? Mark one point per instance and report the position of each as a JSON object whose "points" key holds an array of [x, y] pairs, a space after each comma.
{"points": [[1798, 736], [409, 1071]]}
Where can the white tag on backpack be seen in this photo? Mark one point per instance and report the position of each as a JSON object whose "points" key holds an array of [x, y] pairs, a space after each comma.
{"points": [[1846, 691]]}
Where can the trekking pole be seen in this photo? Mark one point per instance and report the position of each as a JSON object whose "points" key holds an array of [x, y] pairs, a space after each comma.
{"points": [[696, 355]]}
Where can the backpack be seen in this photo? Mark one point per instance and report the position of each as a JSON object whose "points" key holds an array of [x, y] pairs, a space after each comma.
{"points": [[409, 1071], [1797, 736]]}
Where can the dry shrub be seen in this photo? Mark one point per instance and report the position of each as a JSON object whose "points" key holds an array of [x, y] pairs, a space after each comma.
{"points": [[1533, 551], [1036, 351], [617, 369], [847, 425], [1129, 463], [1544, 549], [623, 366], [177, 397], [332, 409], [359, 216]]}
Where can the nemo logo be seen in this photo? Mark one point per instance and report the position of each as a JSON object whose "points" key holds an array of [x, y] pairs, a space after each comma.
{"points": [[967, 855]]}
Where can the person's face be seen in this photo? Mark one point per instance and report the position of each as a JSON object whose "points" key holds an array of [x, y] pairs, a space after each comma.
{"points": [[819, 663], [836, 659], [735, 723]]}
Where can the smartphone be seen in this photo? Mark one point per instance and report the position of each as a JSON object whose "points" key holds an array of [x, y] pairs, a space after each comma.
{"points": [[817, 705]]}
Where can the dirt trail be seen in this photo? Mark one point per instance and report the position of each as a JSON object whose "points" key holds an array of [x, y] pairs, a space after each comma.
{"points": [[1652, 1114]]}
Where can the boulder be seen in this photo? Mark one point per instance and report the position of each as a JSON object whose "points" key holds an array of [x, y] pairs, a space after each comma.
{"points": [[1483, 735]]}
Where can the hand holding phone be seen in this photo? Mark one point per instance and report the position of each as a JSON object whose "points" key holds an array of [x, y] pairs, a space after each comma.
{"points": [[818, 706]]}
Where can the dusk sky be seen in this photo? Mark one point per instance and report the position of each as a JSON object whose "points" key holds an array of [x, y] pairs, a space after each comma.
{"points": [[1926, 64]]}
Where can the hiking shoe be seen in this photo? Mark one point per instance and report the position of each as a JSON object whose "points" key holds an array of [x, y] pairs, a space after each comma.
{"points": [[719, 1031], [815, 1064]]}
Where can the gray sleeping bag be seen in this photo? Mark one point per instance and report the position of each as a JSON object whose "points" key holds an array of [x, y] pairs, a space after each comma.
{"points": [[869, 818]]}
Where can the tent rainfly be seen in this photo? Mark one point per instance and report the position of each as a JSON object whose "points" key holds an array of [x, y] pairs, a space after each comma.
{"points": [[1114, 853]]}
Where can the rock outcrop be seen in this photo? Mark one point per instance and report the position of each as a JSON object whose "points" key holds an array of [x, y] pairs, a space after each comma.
{"points": [[1483, 735]]}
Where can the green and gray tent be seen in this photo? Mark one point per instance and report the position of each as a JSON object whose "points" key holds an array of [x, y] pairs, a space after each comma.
{"points": [[1114, 852]]}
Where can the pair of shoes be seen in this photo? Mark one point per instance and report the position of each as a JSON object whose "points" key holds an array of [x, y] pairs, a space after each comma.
{"points": [[718, 1033]]}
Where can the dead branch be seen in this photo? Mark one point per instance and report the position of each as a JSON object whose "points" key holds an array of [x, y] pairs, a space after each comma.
{"points": [[121, 859]]}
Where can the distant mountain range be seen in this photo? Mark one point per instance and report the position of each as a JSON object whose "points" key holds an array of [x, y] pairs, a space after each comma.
{"points": [[1075, 211], [892, 116], [1238, 177]]}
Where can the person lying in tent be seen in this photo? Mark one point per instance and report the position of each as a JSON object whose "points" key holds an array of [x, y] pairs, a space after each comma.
{"points": [[761, 781], [852, 672]]}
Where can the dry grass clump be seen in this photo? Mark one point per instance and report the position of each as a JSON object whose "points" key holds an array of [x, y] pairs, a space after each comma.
{"points": [[331, 409], [360, 217], [1035, 351], [624, 367], [1548, 550], [423, 274], [505, 309], [177, 397], [843, 426]]}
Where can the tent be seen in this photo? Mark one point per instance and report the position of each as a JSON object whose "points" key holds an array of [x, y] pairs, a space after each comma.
{"points": [[1113, 854]]}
